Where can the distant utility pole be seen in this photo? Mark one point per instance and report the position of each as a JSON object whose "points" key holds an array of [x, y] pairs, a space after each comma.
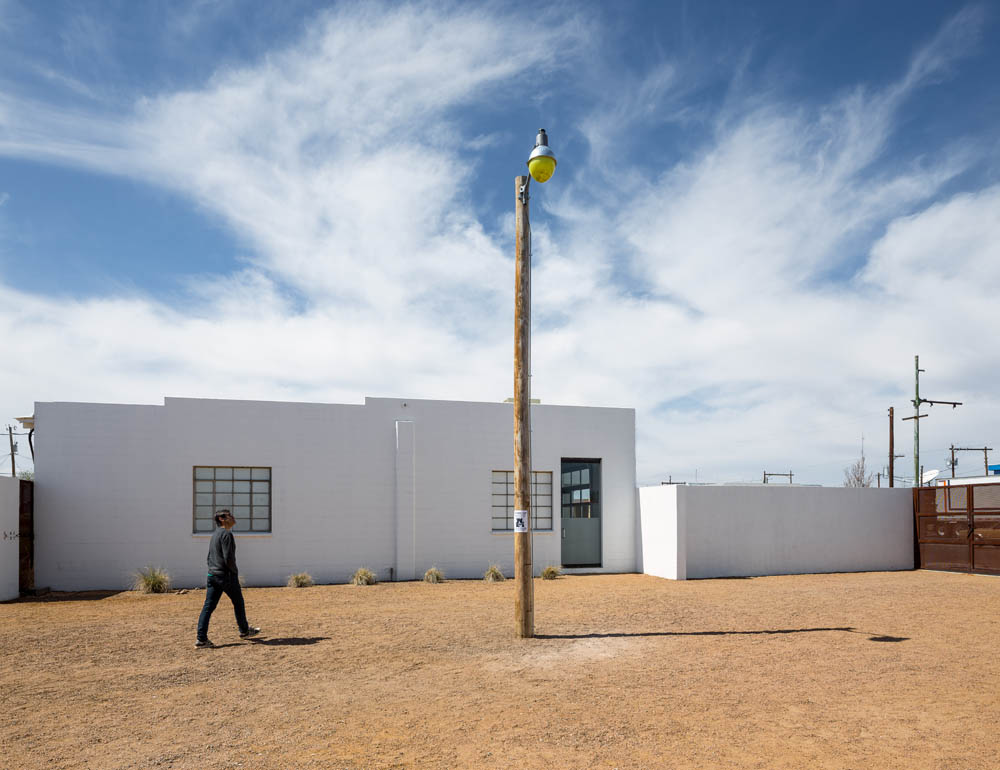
{"points": [[917, 401], [984, 449], [768, 475], [892, 447], [13, 451]]}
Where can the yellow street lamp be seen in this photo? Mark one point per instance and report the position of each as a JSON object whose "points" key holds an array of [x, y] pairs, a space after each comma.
{"points": [[542, 161]]}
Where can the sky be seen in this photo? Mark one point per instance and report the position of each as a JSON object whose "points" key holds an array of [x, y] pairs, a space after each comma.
{"points": [[761, 213]]}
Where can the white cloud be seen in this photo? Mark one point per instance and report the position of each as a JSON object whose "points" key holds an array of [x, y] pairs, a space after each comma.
{"points": [[699, 294]]}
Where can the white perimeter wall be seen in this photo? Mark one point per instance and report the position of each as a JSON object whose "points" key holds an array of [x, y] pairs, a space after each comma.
{"points": [[10, 497], [704, 532], [393, 483]]}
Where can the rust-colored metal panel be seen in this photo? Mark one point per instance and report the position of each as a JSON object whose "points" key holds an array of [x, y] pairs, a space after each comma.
{"points": [[958, 528], [986, 528], [925, 501], [987, 497], [26, 537], [946, 556], [986, 558], [948, 526]]}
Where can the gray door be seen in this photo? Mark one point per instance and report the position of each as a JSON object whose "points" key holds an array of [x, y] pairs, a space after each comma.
{"points": [[581, 512]]}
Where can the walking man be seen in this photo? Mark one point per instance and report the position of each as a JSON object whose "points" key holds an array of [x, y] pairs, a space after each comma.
{"points": [[223, 578]]}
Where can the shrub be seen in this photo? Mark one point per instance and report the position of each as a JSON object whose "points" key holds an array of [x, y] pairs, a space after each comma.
{"points": [[300, 580], [151, 580], [364, 577], [551, 572], [433, 575], [493, 574]]}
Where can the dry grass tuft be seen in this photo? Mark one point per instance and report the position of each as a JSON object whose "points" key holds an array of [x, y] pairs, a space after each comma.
{"points": [[551, 572], [300, 580], [433, 575], [364, 577], [151, 580], [493, 574]]}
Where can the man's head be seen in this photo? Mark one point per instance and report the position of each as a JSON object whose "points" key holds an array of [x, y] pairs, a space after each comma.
{"points": [[224, 518]]}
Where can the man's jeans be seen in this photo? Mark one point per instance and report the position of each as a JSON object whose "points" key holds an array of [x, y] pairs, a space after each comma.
{"points": [[216, 586]]}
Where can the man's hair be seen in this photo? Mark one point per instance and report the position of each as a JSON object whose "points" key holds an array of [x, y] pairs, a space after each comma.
{"points": [[219, 514]]}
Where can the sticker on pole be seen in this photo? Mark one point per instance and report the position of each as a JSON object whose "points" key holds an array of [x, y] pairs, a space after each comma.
{"points": [[520, 521]]}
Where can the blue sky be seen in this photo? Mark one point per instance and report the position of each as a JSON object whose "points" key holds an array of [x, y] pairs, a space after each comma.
{"points": [[761, 213]]}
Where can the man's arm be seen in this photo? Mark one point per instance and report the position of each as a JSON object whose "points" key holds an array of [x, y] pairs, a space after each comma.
{"points": [[228, 543]]}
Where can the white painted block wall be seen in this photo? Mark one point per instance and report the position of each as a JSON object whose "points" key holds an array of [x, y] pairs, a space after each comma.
{"points": [[736, 531], [662, 551], [392, 484], [9, 543]]}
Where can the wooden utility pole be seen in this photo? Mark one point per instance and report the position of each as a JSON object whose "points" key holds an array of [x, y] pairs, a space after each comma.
{"points": [[953, 461], [524, 598], [984, 449], [917, 469], [917, 401], [892, 448], [13, 451]]}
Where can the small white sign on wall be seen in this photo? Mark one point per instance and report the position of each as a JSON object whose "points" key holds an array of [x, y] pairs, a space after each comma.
{"points": [[520, 521]]}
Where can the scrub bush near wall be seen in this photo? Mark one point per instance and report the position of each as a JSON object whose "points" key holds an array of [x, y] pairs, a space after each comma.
{"points": [[300, 580], [151, 580], [363, 577], [433, 575], [493, 574]]}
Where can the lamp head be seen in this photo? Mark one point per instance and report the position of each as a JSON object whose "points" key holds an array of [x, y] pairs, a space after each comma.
{"points": [[542, 161]]}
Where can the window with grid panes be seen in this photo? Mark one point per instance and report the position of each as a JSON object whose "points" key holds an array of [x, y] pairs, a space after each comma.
{"points": [[245, 491], [503, 501]]}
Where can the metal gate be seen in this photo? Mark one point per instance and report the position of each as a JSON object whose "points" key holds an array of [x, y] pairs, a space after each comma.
{"points": [[26, 534], [958, 527]]}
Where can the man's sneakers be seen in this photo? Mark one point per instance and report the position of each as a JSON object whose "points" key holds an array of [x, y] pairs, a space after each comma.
{"points": [[207, 643]]}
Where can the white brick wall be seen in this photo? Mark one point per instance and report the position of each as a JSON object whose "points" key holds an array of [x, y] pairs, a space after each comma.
{"points": [[9, 543], [394, 483], [730, 531]]}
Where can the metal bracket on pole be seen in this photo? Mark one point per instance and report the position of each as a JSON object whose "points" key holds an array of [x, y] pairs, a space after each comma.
{"points": [[522, 194]]}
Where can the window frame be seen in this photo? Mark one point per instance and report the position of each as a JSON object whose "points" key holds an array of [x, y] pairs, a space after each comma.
{"points": [[254, 490], [537, 504]]}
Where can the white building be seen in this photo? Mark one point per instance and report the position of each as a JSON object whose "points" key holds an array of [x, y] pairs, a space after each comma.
{"points": [[394, 485]]}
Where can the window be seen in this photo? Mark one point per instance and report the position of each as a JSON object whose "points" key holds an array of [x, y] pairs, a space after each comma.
{"points": [[503, 500], [244, 491], [581, 489]]}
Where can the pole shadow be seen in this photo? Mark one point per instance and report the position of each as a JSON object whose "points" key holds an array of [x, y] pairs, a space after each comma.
{"points": [[764, 632]]}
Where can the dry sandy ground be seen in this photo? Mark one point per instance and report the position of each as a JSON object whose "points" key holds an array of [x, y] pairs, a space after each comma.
{"points": [[876, 670]]}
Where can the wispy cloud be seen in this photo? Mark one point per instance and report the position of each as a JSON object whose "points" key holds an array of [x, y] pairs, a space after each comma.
{"points": [[717, 292]]}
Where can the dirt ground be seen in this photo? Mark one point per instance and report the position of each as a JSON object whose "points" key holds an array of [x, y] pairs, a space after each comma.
{"points": [[873, 670]]}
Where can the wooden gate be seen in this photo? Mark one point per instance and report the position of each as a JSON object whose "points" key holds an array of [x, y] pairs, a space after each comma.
{"points": [[958, 527]]}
